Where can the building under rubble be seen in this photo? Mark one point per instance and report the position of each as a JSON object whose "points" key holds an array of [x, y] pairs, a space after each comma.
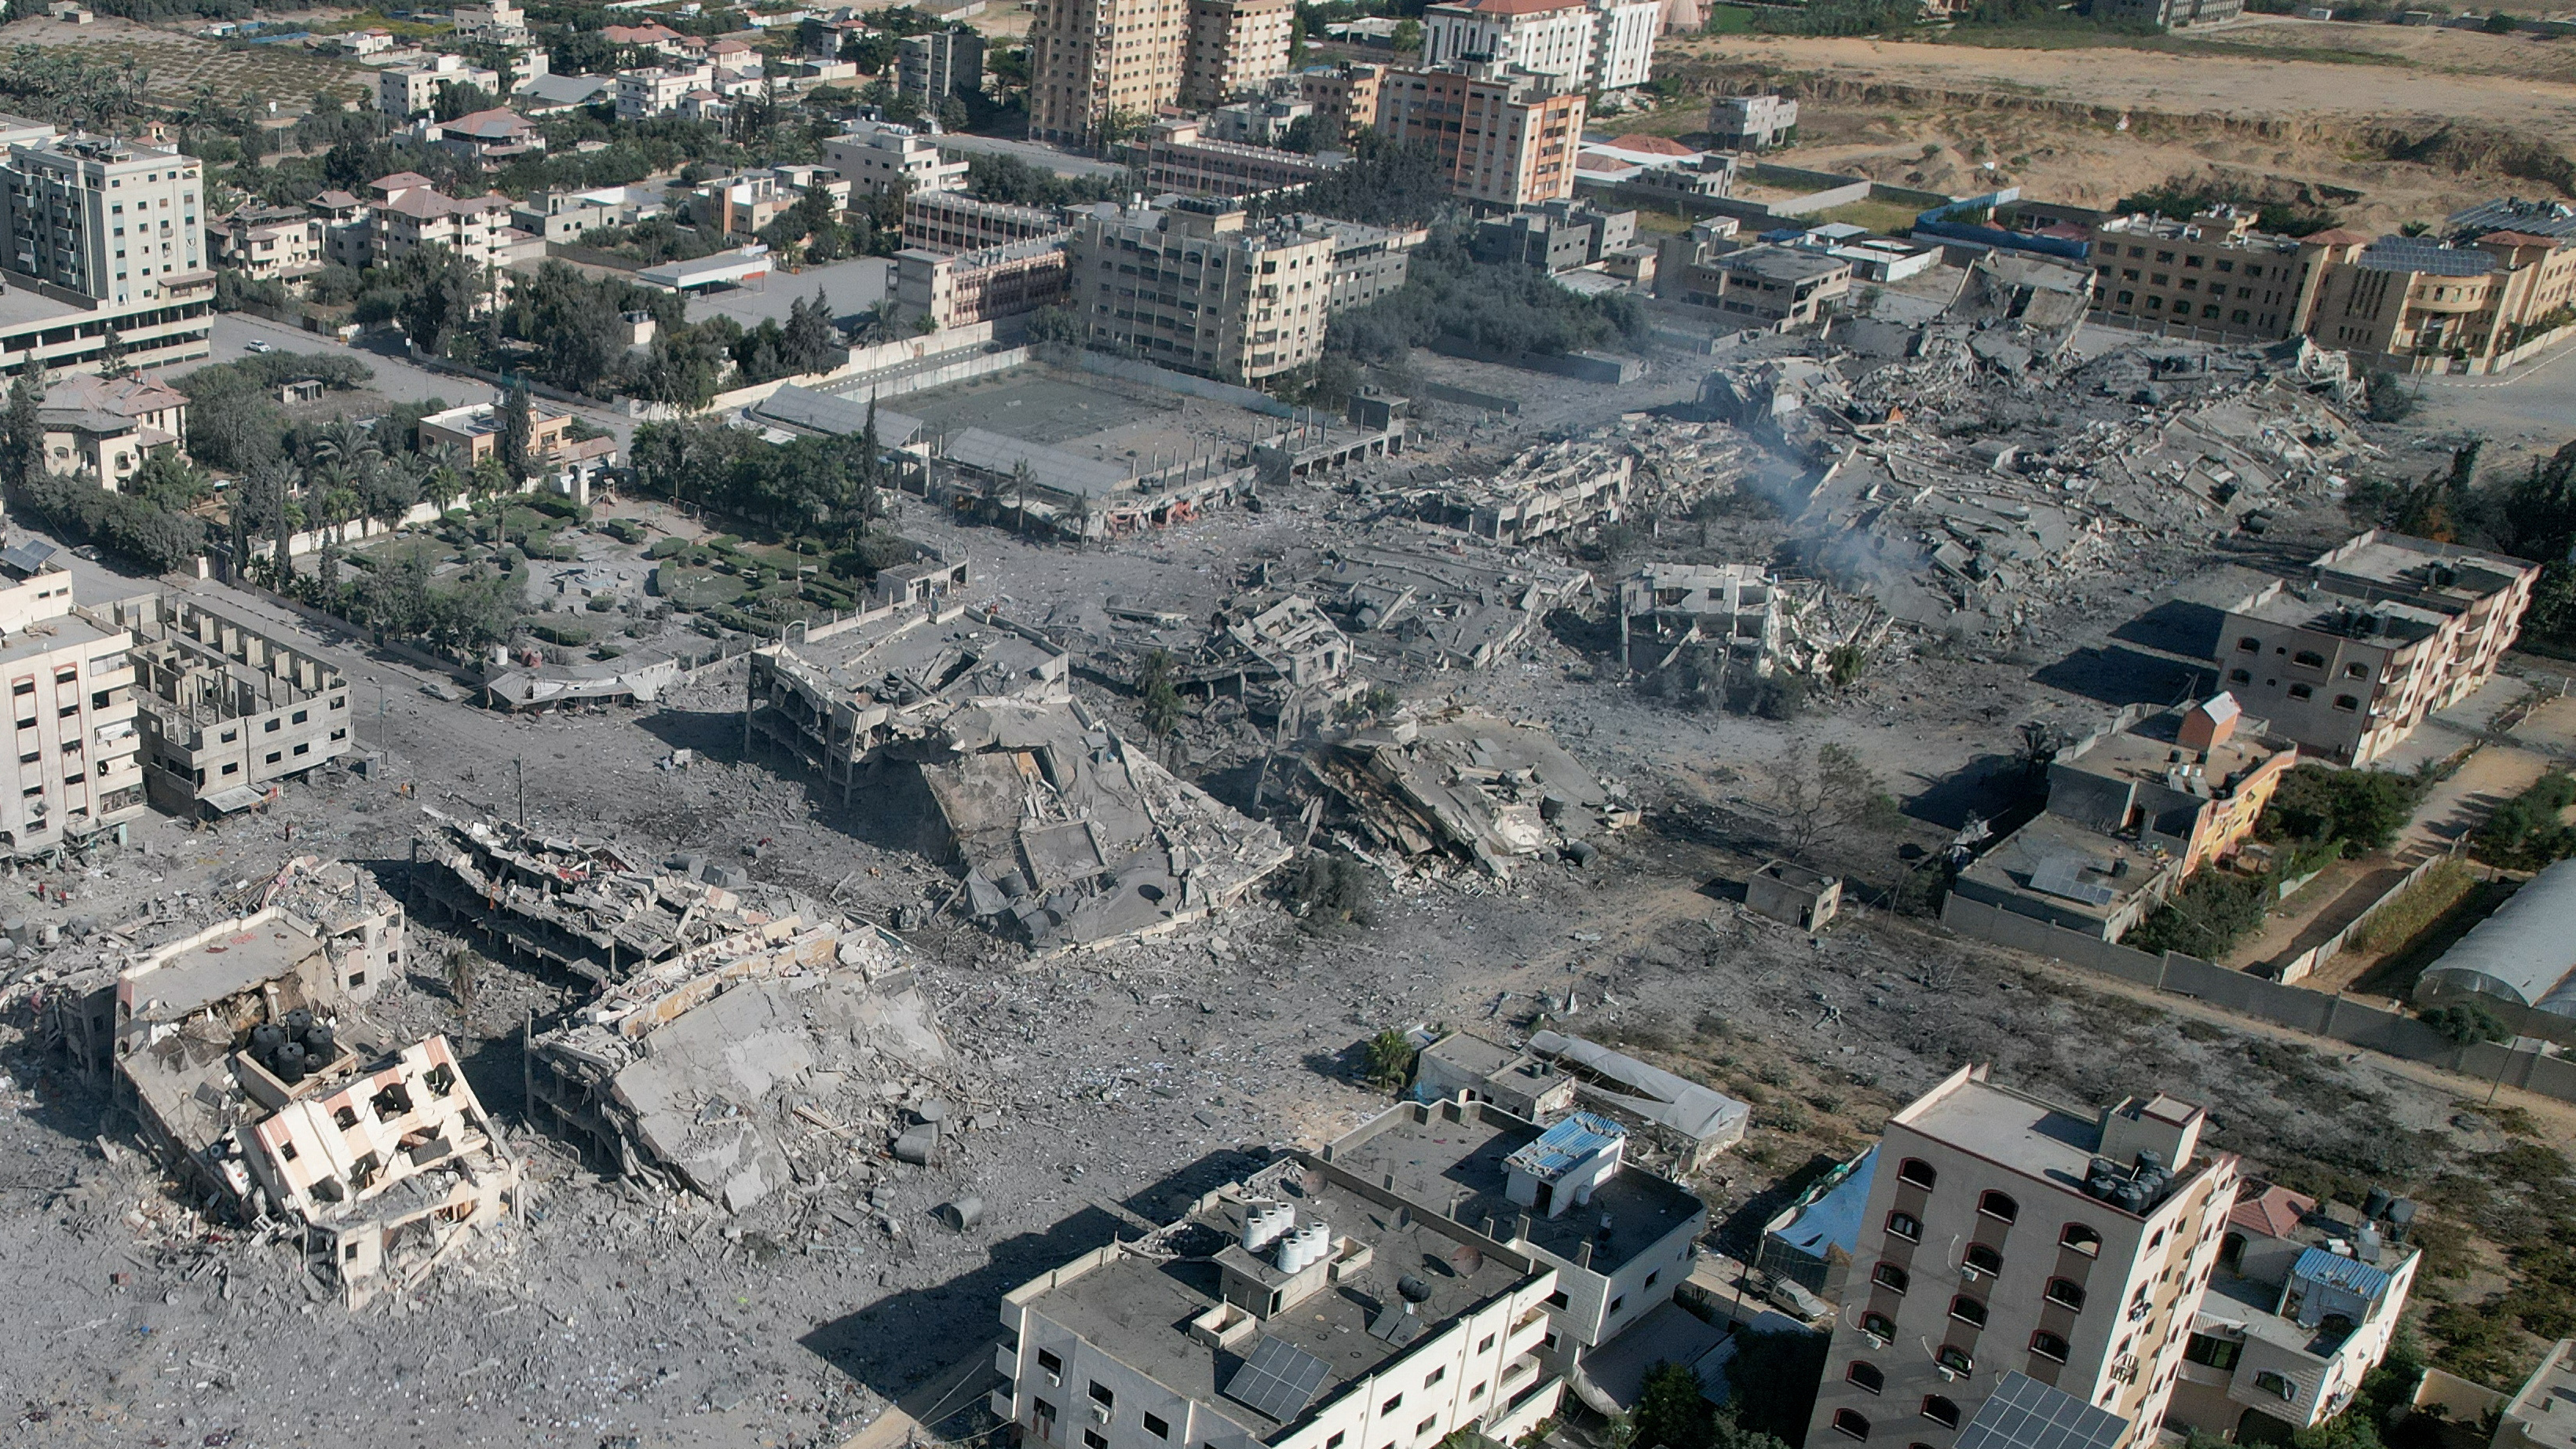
{"points": [[1550, 489], [1733, 609], [1441, 610], [697, 1070], [1282, 656], [1466, 788]]}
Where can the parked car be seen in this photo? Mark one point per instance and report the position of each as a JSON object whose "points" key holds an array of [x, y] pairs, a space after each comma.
{"points": [[255, 345]]}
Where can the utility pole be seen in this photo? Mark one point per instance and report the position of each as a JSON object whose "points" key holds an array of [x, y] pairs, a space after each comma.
{"points": [[521, 763]]}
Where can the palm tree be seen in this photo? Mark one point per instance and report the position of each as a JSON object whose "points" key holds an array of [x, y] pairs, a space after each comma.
{"points": [[343, 440]]}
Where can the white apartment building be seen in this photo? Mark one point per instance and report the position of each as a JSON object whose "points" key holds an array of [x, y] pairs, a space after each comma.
{"points": [[269, 243], [403, 91], [2005, 1237], [1196, 290], [71, 701], [877, 157], [116, 221], [658, 90], [1600, 45], [413, 214], [1619, 1237], [1289, 1311]]}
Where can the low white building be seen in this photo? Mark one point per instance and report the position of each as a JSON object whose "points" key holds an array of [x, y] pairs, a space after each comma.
{"points": [[877, 157]]}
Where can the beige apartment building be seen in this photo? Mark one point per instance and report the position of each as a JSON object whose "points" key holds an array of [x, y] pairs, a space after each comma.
{"points": [[960, 289], [1503, 135], [2384, 630], [1178, 157], [1235, 48], [268, 243], [1345, 96], [1292, 1310], [71, 693], [2214, 273], [1195, 289], [952, 221], [226, 710], [1092, 60], [1952, 1297], [2412, 297]]}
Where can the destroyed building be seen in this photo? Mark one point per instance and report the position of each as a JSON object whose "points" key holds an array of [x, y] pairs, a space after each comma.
{"points": [[592, 907], [1070, 834], [226, 709], [244, 1052], [1553, 488], [1465, 788], [1281, 653], [711, 1069], [1685, 1122], [843, 693], [1440, 610], [1670, 607]]}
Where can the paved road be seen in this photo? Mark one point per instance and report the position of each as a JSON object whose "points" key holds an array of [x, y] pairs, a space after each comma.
{"points": [[2531, 408], [398, 378], [851, 287]]}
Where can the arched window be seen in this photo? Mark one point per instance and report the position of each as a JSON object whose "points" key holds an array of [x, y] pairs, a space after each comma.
{"points": [[1904, 1225], [1878, 1326], [2082, 1239], [2066, 1291], [1996, 1205], [1983, 1258], [1941, 1410], [2048, 1346], [1968, 1310], [1954, 1358], [1862, 1374], [1848, 1423], [1891, 1277], [1917, 1171]]}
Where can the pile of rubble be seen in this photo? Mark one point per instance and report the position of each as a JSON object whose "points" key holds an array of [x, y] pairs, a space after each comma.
{"points": [[1461, 788]]}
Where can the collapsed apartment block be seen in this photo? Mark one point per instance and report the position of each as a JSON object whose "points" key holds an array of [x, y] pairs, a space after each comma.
{"points": [[844, 693], [244, 1053], [1553, 488], [1732, 608], [1439, 610], [226, 710], [1072, 835], [687, 1072], [588, 906], [1010, 481], [1283, 655], [1465, 788]]}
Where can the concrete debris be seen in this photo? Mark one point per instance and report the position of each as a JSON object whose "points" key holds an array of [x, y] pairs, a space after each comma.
{"points": [[1468, 787], [1281, 655], [690, 1071], [1073, 836], [1555, 488], [1462, 608], [586, 905]]}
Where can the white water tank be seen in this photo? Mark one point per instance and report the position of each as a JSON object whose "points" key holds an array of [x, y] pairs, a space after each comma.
{"points": [[1263, 1222], [1305, 1247]]}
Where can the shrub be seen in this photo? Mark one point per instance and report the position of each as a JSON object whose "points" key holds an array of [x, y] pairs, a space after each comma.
{"points": [[566, 635]]}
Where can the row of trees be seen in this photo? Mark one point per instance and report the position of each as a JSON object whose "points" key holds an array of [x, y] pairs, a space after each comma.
{"points": [[809, 485], [1503, 306]]}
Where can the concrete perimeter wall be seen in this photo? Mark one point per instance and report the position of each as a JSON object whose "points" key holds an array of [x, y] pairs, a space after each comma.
{"points": [[2339, 1017]]}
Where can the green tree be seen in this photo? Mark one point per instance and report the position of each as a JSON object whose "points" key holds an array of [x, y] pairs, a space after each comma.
{"points": [[2467, 1024], [22, 441], [517, 440], [1671, 1411], [1390, 1059], [1157, 698]]}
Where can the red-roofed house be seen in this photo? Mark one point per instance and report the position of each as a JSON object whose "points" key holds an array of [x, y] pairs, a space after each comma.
{"points": [[649, 35], [2275, 1212], [494, 135]]}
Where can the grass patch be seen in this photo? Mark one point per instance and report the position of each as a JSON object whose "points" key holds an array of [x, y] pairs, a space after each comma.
{"points": [[2404, 918], [1728, 20], [1888, 218], [2394, 975]]}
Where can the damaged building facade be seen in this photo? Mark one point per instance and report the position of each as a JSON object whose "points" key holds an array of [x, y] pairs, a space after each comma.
{"points": [[1462, 789], [226, 710]]}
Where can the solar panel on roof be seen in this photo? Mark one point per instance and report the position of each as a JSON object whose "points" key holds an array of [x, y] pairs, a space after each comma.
{"points": [[2023, 1413], [1279, 1380], [1395, 1325], [28, 557], [2063, 875]]}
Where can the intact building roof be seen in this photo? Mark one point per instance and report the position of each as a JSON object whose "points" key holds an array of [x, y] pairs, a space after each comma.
{"points": [[2351, 1274], [2540, 218], [2275, 1212], [565, 90], [835, 413], [2544, 1409], [1780, 264], [2520, 953], [1566, 1144], [489, 125], [2421, 254], [1514, 7], [1051, 468]]}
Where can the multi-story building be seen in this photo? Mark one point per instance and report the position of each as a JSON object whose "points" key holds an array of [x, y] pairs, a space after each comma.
{"points": [[474, 431], [659, 90], [1619, 1237], [71, 695], [268, 243], [1235, 48], [1344, 95], [2542, 1414], [1751, 123], [1195, 289], [1949, 1296], [1260, 121], [410, 214], [2214, 273], [928, 69], [2384, 630], [2133, 810], [952, 221], [2406, 298], [1502, 135], [2304, 1303], [566, 216], [404, 91], [879, 158], [1179, 158], [1092, 61], [1283, 1319], [105, 427], [499, 22], [959, 289], [2172, 14], [348, 230], [115, 221], [1766, 285], [1368, 261], [223, 705], [1600, 45], [1559, 236], [652, 35]]}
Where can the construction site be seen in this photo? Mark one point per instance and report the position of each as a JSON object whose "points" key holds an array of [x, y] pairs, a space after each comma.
{"points": [[706, 1067]]}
